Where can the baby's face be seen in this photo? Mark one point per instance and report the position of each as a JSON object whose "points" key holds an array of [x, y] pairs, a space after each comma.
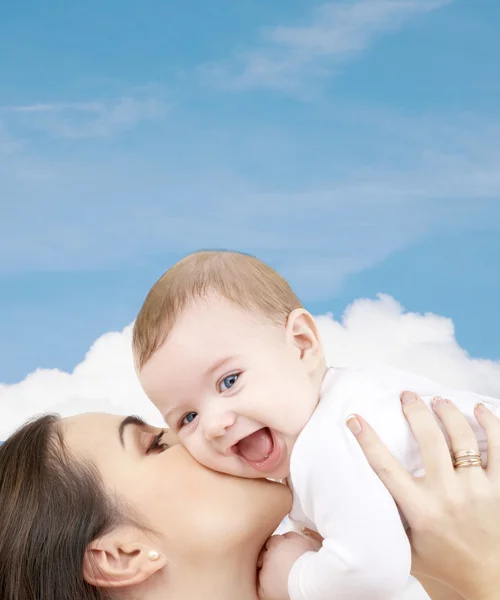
{"points": [[234, 388]]}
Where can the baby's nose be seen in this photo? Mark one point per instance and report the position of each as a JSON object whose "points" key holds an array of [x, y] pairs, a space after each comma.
{"points": [[217, 425]]}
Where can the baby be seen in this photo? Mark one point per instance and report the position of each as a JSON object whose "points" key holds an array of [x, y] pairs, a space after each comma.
{"points": [[229, 356]]}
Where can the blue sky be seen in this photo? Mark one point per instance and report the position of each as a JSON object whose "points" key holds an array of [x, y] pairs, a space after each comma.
{"points": [[353, 145]]}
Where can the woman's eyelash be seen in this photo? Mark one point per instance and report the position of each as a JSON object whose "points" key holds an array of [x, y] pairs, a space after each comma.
{"points": [[156, 443]]}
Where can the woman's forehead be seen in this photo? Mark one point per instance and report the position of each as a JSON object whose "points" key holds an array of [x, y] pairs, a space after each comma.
{"points": [[88, 433], [100, 419], [99, 426]]}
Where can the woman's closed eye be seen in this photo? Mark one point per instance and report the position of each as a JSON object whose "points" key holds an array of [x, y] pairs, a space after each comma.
{"points": [[157, 445], [228, 382]]}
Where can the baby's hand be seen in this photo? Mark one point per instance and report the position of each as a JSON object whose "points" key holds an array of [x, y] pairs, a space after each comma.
{"points": [[277, 558]]}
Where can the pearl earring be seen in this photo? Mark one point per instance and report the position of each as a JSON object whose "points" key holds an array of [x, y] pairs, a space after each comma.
{"points": [[153, 555]]}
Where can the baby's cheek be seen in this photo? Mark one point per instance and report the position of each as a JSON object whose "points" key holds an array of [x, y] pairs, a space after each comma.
{"points": [[200, 453]]}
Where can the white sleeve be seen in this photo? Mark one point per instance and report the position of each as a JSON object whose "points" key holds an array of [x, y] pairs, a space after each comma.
{"points": [[366, 553]]}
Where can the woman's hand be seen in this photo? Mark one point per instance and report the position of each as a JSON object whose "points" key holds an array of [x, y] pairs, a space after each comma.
{"points": [[453, 514]]}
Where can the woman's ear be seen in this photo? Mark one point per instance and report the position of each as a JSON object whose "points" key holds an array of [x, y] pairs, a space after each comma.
{"points": [[302, 331], [121, 558]]}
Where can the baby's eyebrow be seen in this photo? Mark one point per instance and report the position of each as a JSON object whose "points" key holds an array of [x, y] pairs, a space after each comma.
{"points": [[219, 363]]}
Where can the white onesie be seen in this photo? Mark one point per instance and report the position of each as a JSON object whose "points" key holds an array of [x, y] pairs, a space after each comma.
{"points": [[365, 554]]}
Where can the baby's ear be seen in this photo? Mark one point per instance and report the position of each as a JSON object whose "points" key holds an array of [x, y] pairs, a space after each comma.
{"points": [[119, 559], [302, 331]]}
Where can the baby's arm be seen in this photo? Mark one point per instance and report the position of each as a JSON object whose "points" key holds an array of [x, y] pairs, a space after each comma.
{"points": [[365, 553]]}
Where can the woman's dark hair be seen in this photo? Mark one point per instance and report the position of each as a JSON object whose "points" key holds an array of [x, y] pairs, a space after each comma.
{"points": [[51, 508]]}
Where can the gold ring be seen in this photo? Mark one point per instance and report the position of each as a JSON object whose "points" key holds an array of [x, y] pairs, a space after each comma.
{"points": [[467, 458], [473, 462], [466, 454]]}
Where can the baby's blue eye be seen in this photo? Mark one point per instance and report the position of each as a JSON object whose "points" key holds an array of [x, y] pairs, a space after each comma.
{"points": [[228, 382], [189, 418]]}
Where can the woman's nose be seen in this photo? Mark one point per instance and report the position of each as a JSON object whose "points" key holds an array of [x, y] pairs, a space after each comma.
{"points": [[217, 425]]}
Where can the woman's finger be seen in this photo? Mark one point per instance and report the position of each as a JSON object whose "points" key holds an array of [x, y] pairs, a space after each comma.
{"points": [[462, 438], [459, 431], [401, 485], [491, 425], [432, 442]]}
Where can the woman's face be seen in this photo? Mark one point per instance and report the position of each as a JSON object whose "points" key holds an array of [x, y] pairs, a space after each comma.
{"points": [[194, 510]]}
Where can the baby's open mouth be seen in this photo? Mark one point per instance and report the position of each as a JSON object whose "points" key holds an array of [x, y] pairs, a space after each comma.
{"points": [[259, 449]]}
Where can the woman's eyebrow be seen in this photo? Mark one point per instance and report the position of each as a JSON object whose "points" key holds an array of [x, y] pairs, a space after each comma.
{"points": [[130, 420]]}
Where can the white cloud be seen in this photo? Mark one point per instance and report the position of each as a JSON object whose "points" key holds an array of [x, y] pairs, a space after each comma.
{"points": [[381, 331], [104, 381], [337, 32], [98, 119], [369, 331]]}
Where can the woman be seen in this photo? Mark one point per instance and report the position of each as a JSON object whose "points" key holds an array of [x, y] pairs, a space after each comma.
{"points": [[453, 512], [97, 506]]}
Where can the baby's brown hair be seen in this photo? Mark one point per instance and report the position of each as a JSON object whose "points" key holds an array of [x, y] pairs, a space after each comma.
{"points": [[235, 276]]}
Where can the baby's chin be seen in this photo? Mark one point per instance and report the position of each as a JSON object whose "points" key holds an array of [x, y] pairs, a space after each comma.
{"points": [[280, 474]]}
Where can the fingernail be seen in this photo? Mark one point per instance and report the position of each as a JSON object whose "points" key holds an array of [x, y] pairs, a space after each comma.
{"points": [[353, 424], [439, 401], [407, 397], [480, 407]]}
